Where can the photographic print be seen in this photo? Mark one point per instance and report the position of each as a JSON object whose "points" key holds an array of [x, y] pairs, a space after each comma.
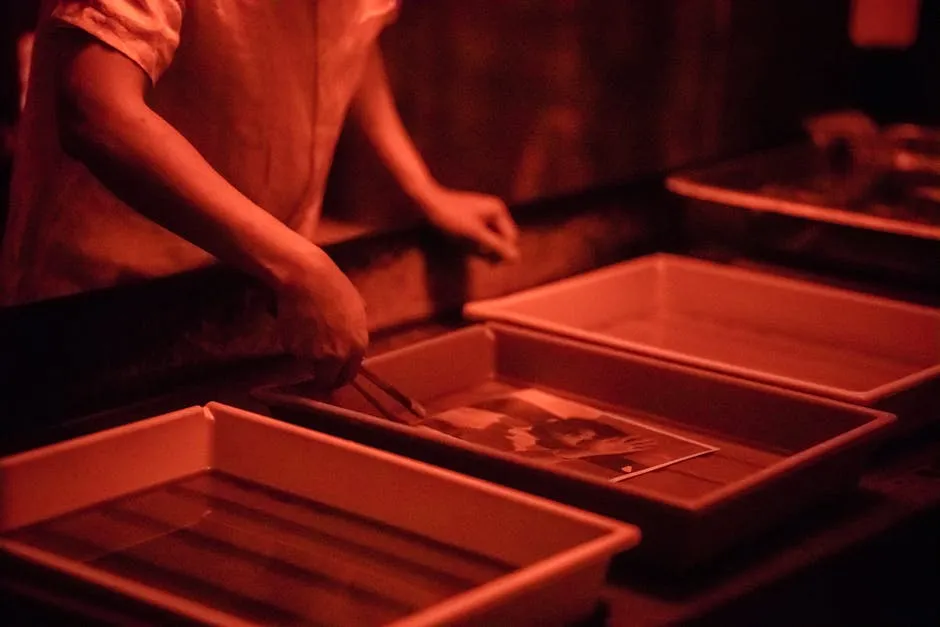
{"points": [[553, 430]]}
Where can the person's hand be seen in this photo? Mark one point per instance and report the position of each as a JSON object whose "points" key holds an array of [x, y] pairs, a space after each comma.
{"points": [[321, 319], [479, 219]]}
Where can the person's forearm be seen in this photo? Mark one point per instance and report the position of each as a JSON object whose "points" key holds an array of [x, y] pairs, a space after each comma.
{"points": [[479, 219], [150, 166], [24, 55], [155, 170], [374, 110]]}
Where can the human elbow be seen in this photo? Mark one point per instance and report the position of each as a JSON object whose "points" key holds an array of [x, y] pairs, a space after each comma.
{"points": [[78, 126], [85, 119]]}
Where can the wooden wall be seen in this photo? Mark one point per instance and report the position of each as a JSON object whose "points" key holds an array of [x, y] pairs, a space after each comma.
{"points": [[532, 99]]}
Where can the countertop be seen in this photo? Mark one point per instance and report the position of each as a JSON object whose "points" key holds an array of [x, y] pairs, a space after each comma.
{"points": [[869, 558]]}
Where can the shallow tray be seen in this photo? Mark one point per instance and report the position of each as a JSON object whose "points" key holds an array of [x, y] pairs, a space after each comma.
{"points": [[785, 181], [225, 517], [796, 334], [779, 450]]}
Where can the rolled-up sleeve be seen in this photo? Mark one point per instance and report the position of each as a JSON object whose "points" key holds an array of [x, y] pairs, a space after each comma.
{"points": [[146, 31]]}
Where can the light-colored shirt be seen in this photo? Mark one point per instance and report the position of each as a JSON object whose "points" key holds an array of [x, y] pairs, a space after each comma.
{"points": [[259, 87]]}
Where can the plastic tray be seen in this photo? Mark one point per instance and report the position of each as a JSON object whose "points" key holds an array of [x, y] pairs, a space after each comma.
{"points": [[779, 450], [796, 334], [786, 181], [225, 517]]}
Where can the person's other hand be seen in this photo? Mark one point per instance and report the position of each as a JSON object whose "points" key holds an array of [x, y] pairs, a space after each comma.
{"points": [[479, 219], [321, 319]]}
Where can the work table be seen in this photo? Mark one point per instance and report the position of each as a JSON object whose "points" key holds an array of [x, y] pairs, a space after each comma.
{"points": [[869, 557]]}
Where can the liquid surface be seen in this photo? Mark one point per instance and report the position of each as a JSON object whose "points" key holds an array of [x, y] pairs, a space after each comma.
{"points": [[264, 555]]}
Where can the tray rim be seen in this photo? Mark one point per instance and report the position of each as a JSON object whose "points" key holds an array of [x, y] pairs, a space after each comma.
{"points": [[685, 185], [484, 310], [531, 500], [880, 420], [613, 536]]}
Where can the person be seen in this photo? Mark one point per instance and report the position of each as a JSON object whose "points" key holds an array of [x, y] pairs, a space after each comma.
{"points": [[158, 134]]}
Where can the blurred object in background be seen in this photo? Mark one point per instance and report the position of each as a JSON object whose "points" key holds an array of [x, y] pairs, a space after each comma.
{"points": [[915, 165], [916, 148], [851, 153], [861, 163], [896, 60], [884, 23], [885, 155]]}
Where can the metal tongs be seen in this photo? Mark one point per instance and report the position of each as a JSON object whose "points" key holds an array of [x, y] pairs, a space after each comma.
{"points": [[413, 407]]}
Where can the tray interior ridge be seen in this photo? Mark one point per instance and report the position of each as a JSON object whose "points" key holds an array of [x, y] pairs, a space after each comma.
{"points": [[264, 555]]}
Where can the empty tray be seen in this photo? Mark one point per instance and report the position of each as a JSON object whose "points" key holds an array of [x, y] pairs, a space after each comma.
{"points": [[778, 450], [225, 517], [796, 334]]}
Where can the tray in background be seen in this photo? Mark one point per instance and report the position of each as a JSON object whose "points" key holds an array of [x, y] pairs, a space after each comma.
{"points": [[796, 334], [793, 181], [225, 517], [779, 452]]}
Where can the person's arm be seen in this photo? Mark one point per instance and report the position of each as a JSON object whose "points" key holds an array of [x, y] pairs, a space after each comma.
{"points": [[482, 219], [104, 122], [24, 54]]}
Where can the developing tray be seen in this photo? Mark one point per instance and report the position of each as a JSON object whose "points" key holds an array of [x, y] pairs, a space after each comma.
{"points": [[793, 181], [779, 450], [796, 334], [224, 517]]}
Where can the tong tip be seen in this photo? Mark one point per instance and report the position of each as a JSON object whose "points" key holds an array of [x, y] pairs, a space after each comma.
{"points": [[418, 410]]}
